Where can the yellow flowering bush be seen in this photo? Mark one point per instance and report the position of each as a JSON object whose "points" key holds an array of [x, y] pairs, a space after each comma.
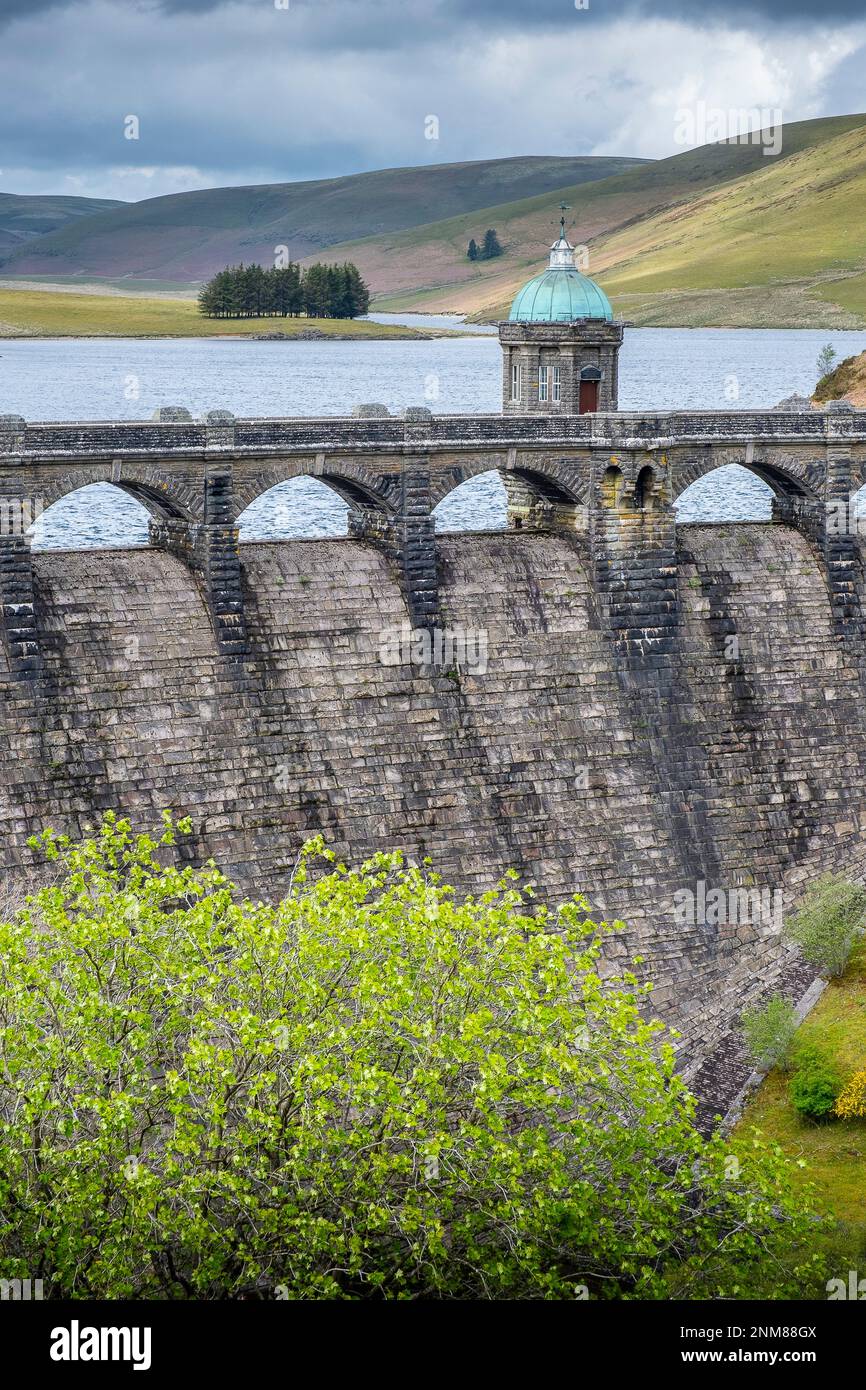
{"points": [[851, 1103]]}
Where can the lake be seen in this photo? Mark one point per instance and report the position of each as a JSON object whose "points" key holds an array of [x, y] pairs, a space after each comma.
{"points": [[127, 379]]}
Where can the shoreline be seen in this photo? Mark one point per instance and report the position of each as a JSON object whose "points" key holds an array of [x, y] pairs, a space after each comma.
{"points": [[33, 314], [409, 336]]}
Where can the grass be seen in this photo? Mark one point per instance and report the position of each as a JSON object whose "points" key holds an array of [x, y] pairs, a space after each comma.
{"points": [[834, 1152], [41, 314], [122, 284], [796, 219]]}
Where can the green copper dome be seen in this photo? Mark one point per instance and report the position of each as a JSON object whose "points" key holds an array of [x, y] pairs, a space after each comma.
{"points": [[561, 293]]}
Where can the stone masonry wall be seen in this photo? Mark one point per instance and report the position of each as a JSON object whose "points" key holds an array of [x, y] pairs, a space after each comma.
{"points": [[544, 762]]}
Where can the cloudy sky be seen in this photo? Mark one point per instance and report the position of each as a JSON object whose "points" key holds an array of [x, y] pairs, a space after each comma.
{"points": [[254, 91]]}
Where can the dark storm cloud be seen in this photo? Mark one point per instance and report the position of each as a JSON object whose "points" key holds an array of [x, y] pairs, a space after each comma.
{"points": [[380, 16], [526, 13], [529, 13], [11, 9], [241, 91]]}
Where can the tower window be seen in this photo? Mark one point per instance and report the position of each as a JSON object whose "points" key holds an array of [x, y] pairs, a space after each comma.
{"points": [[543, 383], [515, 381], [557, 384]]}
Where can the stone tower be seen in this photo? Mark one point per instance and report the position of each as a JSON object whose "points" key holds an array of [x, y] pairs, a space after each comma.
{"points": [[560, 345]]}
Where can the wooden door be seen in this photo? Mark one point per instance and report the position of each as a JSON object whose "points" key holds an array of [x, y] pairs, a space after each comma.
{"points": [[588, 399]]}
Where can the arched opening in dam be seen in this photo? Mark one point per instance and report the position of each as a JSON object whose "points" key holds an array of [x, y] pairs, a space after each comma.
{"points": [[729, 493], [97, 516], [301, 508], [645, 490], [516, 499], [478, 504]]}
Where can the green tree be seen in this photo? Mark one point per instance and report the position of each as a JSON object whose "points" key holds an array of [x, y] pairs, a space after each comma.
{"points": [[316, 289], [472, 249], [339, 303], [288, 298], [372, 1089], [491, 245], [236, 291], [252, 291], [814, 1085], [769, 1031], [323, 291], [358, 293], [215, 298], [268, 297], [826, 360], [827, 923], [209, 299]]}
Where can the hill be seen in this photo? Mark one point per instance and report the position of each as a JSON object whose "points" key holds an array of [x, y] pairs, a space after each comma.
{"points": [[188, 236], [847, 382], [24, 218], [721, 235]]}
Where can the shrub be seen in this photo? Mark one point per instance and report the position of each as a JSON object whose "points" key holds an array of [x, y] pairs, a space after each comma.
{"points": [[851, 1103], [826, 361], [769, 1031], [827, 923], [838, 380], [369, 1090], [814, 1085]]}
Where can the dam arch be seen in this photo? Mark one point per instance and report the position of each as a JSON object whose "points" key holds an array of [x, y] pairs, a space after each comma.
{"points": [[356, 485], [702, 500], [95, 516], [532, 495], [788, 478], [158, 493], [482, 489], [300, 508]]}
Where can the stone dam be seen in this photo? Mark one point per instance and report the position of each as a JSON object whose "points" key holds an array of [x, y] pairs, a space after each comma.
{"points": [[661, 707]]}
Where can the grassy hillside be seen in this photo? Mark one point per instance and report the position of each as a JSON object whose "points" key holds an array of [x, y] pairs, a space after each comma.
{"points": [[188, 236], [720, 235], [23, 218], [793, 232], [846, 382], [41, 314]]}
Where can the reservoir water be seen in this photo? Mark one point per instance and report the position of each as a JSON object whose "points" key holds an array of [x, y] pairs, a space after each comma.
{"points": [[127, 379]]}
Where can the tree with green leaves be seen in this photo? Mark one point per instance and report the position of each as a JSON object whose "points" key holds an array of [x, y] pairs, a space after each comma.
{"points": [[316, 287], [472, 249], [826, 360], [323, 291], [285, 289], [236, 292], [357, 290], [491, 246], [769, 1030], [372, 1089], [216, 299], [827, 922]]}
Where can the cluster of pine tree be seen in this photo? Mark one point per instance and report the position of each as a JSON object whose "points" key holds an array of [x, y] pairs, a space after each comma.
{"points": [[320, 291], [489, 248]]}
